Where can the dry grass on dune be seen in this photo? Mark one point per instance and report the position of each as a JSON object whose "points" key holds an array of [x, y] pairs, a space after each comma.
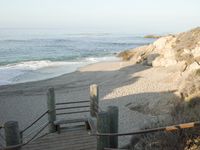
{"points": [[173, 51], [186, 110], [187, 40], [189, 88], [187, 139]]}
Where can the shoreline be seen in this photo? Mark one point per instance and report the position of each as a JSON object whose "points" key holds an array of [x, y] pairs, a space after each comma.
{"points": [[124, 84], [94, 67], [113, 59], [151, 89]]}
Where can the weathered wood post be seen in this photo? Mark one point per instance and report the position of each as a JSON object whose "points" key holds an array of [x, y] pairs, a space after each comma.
{"points": [[103, 121], [12, 134], [51, 109], [114, 117], [94, 100]]}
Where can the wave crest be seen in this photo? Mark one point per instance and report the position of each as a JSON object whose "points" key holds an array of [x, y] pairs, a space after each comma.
{"points": [[43, 69], [35, 65]]}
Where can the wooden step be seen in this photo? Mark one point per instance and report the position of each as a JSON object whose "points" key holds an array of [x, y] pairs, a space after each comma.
{"points": [[66, 121]]}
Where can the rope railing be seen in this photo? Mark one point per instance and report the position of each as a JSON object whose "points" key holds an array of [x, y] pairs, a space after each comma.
{"points": [[103, 120], [31, 132], [167, 128], [41, 116], [40, 130], [23, 144], [37, 131]]}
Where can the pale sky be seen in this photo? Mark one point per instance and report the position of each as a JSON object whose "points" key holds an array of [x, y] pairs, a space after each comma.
{"points": [[110, 16]]}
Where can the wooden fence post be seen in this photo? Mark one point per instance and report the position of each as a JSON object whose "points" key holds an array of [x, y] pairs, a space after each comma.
{"points": [[114, 115], [103, 127], [12, 134], [51, 109], [94, 100]]}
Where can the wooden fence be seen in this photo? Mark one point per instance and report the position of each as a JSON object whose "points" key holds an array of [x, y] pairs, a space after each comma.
{"points": [[101, 124]]}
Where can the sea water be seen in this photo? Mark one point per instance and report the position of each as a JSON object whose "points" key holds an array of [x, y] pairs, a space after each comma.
{"points": [[37, 54]]}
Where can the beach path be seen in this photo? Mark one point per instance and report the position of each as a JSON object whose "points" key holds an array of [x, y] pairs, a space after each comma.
{"points": [[143, 94], [73, 139]]}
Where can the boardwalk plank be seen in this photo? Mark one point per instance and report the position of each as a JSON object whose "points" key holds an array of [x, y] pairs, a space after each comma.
{"points": [[77, 139]]}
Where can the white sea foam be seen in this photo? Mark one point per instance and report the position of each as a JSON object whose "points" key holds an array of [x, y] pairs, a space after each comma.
{"points": [[35, 65], [44, 69], [13, 73], [99, 59]]}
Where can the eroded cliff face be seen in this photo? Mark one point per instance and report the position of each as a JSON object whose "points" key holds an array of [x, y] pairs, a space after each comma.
{"points": [[180, 51]]}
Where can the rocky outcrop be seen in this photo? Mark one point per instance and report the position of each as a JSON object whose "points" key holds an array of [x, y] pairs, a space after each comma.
{"points": [[169, 50], [180, 51], [152, 36], [180, 55]]}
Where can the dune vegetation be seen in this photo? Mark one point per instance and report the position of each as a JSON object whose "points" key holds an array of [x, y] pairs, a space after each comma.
{"points": [[176, 53]]}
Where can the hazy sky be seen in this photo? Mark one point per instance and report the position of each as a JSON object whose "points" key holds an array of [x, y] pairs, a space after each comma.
{"points": [[125, 16]]}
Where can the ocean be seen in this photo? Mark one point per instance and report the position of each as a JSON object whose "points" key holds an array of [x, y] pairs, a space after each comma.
{"points": [[38, 54]]}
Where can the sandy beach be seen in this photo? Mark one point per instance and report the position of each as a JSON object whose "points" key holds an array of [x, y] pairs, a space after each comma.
{"points": [[142, 93], [66, 65]]}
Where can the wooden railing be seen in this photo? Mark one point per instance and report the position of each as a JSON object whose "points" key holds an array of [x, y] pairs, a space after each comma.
{"points": [[14, 138], [102, 124]]}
